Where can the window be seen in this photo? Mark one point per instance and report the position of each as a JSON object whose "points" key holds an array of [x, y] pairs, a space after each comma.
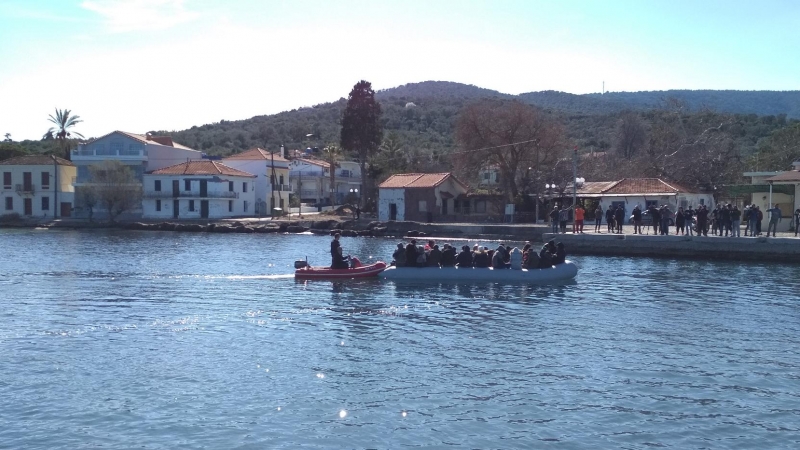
{"points": [[485, 175], [230, 205], [158, 205], [281, 203], [281, 179], [702, 201], [187, 185], [191, 205], [83, 174], [45, 203], [497, 177], [116, 147], [244, 187], [158, 187], [7, 180], [9, 203], [245, 206], [456, 206], [45, 180], [480, 206], [423, 206], [230, 186]]}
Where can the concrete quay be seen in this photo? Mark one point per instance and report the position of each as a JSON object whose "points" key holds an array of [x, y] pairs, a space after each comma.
{"points": [[761, 248]]}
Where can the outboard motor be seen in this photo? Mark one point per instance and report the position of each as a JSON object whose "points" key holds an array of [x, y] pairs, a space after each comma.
{"points": [[355, 262], [301, 264]]}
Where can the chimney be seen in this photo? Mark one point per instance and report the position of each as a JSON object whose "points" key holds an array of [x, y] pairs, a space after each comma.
{"points": [[282, 155]]}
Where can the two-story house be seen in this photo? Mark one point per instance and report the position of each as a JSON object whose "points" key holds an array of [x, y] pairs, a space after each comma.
{"points": [[310, 180], [272, 178], [142, 153], [37, 186], [198, 190]]}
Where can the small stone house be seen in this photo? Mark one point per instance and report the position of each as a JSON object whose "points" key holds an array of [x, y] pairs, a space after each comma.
{"points": [[420, 197]]}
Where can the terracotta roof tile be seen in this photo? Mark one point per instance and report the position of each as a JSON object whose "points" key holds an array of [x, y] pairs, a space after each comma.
{"points": [[593, 187], [418, 180], [204, 167], [631, 186], [36, 160], [792, 175], [256, 154]]}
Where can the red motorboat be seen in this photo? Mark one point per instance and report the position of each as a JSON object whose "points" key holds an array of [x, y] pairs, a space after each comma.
{"points": [[357, 270]]}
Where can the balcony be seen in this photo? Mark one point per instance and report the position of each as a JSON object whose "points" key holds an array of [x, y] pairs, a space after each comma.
{"points": [[191, 194], [25, 189], [281, 187], [105, 153]]}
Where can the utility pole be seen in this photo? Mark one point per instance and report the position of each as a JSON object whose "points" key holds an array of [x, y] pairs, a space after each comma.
{"points": [[574, 186]]}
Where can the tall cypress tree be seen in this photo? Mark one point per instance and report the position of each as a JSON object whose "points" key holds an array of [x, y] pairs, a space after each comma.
{"points": [[362, 131]]}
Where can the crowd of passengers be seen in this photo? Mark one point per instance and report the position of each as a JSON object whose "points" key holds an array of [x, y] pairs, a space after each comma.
{"points": [[504, 257]]}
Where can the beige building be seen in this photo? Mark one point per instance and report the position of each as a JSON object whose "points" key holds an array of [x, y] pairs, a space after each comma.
{"points": [[37, 186]]}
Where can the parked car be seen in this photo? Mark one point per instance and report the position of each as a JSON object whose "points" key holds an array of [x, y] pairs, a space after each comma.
{"points": [[647, 219]]}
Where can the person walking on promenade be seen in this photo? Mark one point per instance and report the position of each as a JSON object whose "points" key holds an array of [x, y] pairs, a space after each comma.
{"points": [[760, 215], [736, 223], [702, 220], [725, 220], [619, 218], [680, 222], [655, 217], [688, 215], [715, 220], [796, 221], [598, 218], [665, 216], [563, 218], [610, 219], [637, 219], [746, 219], [774, 217], [579, 213], [554, 220], [753, 216]]}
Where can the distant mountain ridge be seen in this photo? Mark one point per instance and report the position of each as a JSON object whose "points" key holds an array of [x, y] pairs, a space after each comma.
{"points": [[423, 116], [761, 103]]}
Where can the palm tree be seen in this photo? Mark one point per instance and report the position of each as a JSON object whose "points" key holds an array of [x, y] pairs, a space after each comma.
{"points": [[61, 131]]}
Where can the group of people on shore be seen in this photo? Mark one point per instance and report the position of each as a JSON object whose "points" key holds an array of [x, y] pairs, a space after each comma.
{"points": [[503, 257], [723, 220]]}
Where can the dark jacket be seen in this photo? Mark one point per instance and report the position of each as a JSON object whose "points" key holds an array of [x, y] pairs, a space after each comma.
{"points": [[448, 257], [545, 258], [411, 255], [481, 259], [464, 258], [434, 257], [399, 256]]}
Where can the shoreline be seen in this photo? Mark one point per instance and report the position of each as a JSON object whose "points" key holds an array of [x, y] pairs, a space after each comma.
{"points": [[785, 248]]}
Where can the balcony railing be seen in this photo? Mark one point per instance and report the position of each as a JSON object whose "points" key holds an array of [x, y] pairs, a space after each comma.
{"points": [[309, 193], [281, 187], [25, 189], [107, 152], [191, 194]]}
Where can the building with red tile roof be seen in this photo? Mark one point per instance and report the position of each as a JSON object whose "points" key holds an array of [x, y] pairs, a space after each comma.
{"points": [[37, 186], [198, 190], [272, 178], [422, 197]]}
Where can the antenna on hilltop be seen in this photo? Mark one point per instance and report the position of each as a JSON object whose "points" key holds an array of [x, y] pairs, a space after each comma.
{"points": [[604, 88]]}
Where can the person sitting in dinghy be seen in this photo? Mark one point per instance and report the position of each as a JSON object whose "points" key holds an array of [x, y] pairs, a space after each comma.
{"points": [[464, 258]]}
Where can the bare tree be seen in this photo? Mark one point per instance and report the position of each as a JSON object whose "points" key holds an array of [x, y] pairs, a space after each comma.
{"points": [[631, 135], [510, 136], [115, 187]]}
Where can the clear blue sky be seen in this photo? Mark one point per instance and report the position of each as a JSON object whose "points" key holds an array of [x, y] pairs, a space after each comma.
{"points": [[139, 65]]}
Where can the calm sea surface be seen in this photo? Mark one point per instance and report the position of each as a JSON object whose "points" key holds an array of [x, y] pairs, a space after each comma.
{"points": [[163, 340]]}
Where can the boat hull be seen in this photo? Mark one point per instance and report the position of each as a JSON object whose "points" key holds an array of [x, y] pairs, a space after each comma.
{"points": [[560, 272], [367, 271]]}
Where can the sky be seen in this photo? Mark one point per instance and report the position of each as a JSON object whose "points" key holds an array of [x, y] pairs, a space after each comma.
{"points": [[142, 65]]}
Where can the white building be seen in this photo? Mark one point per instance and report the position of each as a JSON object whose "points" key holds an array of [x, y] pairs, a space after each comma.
{"points": [[781, 188], [37, 186], [198, 190], [629, 192], [310, 180], [272, 178], [142, 153]]}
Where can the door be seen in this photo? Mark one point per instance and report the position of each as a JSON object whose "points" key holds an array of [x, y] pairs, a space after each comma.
{"points": [[392, 211], [203, 205], [66, 209], [176, 205], [28, 206], [204, 192], [27, 184], [176, 191], [444, 207]]}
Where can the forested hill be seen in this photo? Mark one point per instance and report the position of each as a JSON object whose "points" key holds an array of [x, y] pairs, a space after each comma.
{"points": [[422, 115]]}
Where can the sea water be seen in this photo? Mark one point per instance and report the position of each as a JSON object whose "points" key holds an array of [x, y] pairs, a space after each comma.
{"points": [[164, 340]]}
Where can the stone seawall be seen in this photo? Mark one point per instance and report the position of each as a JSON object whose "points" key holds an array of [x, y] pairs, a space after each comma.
{"points": [[698, 247]]}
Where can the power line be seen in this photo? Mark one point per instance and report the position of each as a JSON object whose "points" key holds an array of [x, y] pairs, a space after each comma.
{"points": [[492, 148]]}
